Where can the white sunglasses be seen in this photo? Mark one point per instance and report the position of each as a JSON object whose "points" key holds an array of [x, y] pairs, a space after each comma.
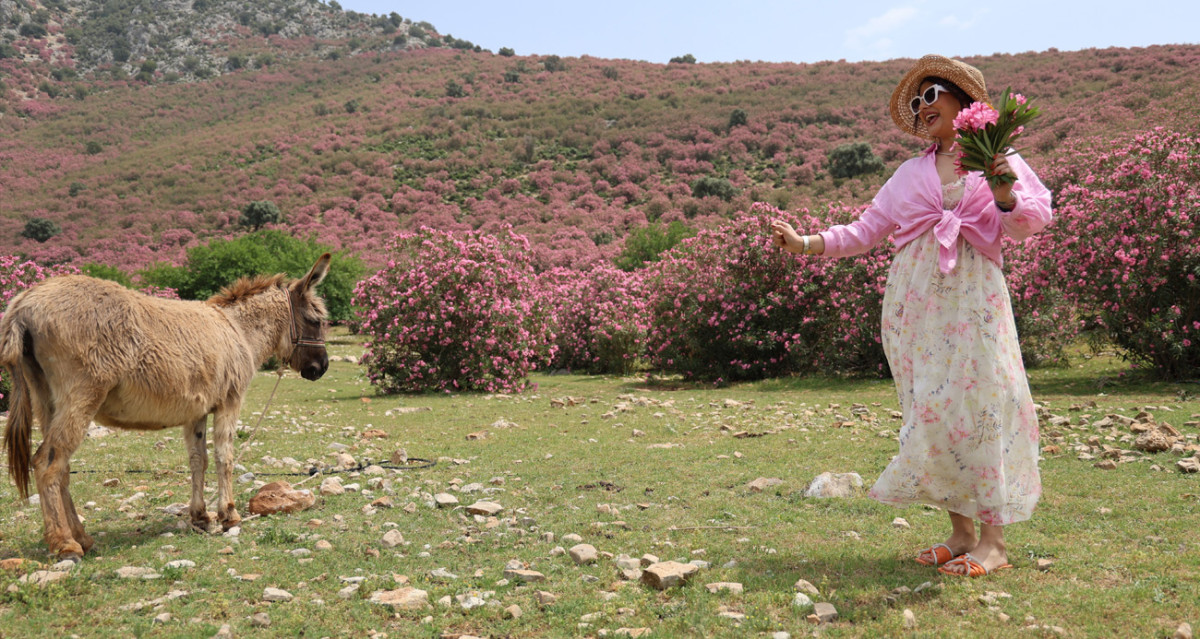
{"points": [[928, 96]]}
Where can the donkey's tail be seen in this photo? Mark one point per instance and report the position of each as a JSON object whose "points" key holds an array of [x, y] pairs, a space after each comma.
{"points": [[20, 413]]}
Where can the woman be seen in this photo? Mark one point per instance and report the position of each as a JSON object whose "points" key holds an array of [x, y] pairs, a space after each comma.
{"points": [[969, 443]]}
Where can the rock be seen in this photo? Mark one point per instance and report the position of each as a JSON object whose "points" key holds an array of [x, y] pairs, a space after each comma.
{"points": [[162, 618], [648, 560], [408, 598], [910, 619], [831, 485], [43, 577], [583, 554], [1044, 564], [718, 586], [1155, 441], [1188, 465], [572, 538], [224, 632], [806, 587], [134, 572], [524, 576], [1106, 464], [668, 574], [445, 500], [781, 635], [763, 483], [1184, 631], [545, 598], [513, 612], [632, 632], [332, 486], [441, 574], [180, 564], [392, 538], [730, 614], [900, 522], [345, 461], [470, 600], [486, 508], [802, 601], [349, 591], [323, 545], [374, 433], [825, 612], [260, 620], [276, 595]]}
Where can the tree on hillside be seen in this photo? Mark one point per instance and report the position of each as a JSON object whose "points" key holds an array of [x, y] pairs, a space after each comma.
{"points": [[684, 59], [849, 160], [40, 229], [255, 215]]}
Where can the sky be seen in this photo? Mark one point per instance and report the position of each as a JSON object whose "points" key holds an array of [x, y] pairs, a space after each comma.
{"points": [[798, 31]]}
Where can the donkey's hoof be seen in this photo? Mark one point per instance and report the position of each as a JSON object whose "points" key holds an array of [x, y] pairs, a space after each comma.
{"points": [[72, 557]]}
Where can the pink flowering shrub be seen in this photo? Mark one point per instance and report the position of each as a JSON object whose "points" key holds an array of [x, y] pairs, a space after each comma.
{"points": [[453, 312], [17, 275], [1124, 247], [726, 305], [599, 317]]}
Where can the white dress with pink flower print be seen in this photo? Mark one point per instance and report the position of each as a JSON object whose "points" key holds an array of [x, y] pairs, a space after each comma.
{"points": [[969, 443]]}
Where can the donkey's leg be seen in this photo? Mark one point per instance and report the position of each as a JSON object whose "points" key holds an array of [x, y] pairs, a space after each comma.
{"points": [[61, 436], [224, 425], [81, 537], [198, 463]]}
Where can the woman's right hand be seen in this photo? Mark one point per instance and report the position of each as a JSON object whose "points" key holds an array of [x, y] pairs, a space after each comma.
{"points": [[785, 237]]}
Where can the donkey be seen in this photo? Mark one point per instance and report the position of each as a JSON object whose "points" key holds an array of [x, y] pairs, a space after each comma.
{"points": [[80, 349]]}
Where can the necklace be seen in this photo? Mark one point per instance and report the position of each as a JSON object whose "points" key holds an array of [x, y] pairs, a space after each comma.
{"points": [[947, 153]]}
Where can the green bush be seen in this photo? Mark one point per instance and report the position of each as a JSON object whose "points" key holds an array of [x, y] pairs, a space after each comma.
{"points": [[255, 215], [684, 59], [106, 272], [738, 118], [454, 89], [719, 187], [31, 30], [849, 160], [647, 244], [40, 229], [553, 63], [215, 265], [507, 52]]}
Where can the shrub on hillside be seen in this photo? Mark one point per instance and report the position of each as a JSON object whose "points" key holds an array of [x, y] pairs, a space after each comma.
{"points": [[453, 313], [686, 58], [719, 187], [211, 267], [598, 317], [849, 160], [726, 305], [1124, 247], [647, 244]]}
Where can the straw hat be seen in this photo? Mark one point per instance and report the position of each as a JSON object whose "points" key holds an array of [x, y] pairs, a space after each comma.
{"points": [[967, 77]]}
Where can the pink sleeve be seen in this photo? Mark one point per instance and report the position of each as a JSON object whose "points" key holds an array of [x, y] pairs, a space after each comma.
{"points": [[1033, 210], [871, 228]]}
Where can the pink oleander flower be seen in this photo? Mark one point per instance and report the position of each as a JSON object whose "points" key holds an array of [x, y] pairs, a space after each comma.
{"points": [[976, 117], [985, 132]]}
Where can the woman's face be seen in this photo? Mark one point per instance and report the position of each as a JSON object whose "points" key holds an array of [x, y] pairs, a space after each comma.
{"points": [[939, 116]]}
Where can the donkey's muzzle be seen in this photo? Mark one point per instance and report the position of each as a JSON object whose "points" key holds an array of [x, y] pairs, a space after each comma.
{"points": [[315, 369]]}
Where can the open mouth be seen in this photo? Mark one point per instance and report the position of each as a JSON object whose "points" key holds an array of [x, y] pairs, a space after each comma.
{"points": [[929, 118]]}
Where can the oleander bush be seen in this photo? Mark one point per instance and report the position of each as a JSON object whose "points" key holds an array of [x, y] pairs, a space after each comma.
{"points": [[599, 318], [16, 275], [453, 312]]}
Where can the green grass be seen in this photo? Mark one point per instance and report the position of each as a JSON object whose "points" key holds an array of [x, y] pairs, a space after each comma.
{"points": [[1128, 572]]}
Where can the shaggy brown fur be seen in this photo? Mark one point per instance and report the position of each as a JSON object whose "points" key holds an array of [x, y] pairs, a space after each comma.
{"points": [[80, 349]]}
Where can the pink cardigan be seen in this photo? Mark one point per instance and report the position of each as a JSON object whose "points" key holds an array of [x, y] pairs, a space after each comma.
{"points": [[910, 203]]}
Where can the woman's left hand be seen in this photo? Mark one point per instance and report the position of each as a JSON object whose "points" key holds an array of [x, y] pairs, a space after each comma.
{"points": [[1002, 192]]}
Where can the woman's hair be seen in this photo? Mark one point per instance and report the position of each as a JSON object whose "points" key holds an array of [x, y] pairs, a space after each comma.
{"points": [[951, 88]]}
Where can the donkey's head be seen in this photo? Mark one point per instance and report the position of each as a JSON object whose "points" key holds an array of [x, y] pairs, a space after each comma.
{"points": [[307, 323]]}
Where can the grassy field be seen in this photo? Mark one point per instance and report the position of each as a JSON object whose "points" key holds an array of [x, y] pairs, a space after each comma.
{"points": [[578, 456]]}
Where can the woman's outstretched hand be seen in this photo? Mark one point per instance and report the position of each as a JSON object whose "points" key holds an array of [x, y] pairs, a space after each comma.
{"points": [[785, 237]]}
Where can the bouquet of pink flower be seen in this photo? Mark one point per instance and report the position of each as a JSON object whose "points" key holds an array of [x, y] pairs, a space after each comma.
{"points": [[984, 131]]}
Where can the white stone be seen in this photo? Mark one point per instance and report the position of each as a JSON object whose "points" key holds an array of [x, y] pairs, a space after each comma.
{"points": [[276, 595]]}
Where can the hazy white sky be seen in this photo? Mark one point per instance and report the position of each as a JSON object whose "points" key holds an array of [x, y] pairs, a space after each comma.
{"points": [[799, 31]]}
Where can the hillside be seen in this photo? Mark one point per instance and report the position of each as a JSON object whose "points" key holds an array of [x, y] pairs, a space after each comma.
{"points": [[71, 47], [574, 153]]}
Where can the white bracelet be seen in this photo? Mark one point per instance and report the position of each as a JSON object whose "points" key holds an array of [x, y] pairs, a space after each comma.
{"points": [[805, 250]]}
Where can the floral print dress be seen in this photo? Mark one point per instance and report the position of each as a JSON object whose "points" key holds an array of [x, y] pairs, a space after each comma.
{"points": [[969, 443]]}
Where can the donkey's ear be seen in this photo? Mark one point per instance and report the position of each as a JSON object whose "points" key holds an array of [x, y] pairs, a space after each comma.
{"points": [[318, 272]]}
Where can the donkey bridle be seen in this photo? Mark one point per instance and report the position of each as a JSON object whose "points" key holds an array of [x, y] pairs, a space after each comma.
{"points": [[293, 332]]}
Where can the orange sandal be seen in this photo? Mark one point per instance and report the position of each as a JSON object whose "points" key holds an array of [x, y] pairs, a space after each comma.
{"points": [[941, 555], [974, 567]]}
